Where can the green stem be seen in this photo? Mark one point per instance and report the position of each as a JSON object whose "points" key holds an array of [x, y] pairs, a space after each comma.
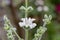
{"points": [[26, 34], [15, 32], [17, 35], [26, 15], [26, 3], [26, 11], [40, 37], [12, 36], [44, 24]]}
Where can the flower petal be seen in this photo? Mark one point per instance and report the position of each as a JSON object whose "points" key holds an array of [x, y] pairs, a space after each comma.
{"points": [[32, 25], [27, 22], [31, 20], [39, 9], [21, 24], [23, 19], [46, 8]]}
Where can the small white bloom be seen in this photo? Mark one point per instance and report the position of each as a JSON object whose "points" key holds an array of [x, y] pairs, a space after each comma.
{"points": [[46, 8], [47, 18], [27, 22], [39, 9], [39, 2]]}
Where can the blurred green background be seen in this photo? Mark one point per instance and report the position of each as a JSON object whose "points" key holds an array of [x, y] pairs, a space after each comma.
{"points": [[11, 9]]}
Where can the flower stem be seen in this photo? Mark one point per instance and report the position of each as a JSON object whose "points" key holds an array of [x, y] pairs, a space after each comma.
{"points": [[26, 11], [40, 37], [44, 24], [17, 35], [26, 3], [26, 34]]}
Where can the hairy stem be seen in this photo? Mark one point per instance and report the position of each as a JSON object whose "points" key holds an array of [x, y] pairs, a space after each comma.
{"points": [[26, 3], [26, 11], [26, 34], [44, 24], [17, 35]]}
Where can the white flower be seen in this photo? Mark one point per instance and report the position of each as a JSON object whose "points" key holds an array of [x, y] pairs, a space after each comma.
{"points": [[46, 8], [39, 8], [27, 22], [47, 18], [39, 2]]}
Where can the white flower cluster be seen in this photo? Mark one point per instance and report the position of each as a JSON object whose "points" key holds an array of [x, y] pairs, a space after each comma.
{"points": [[9, 28], [39, 2], [27, 22], [47, 19], [41, 7]]}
